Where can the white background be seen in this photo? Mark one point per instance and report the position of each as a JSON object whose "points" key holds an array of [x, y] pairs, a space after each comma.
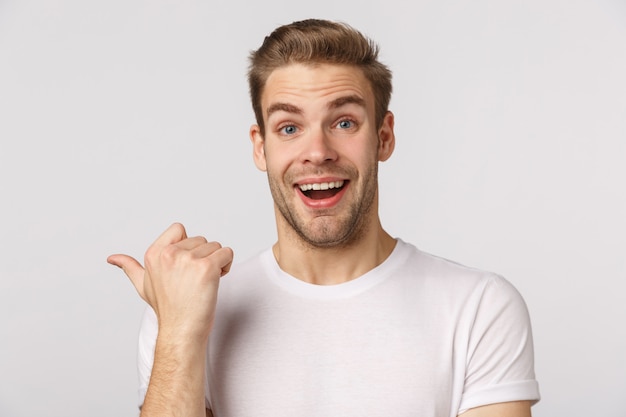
{"points": [[120, 117]]}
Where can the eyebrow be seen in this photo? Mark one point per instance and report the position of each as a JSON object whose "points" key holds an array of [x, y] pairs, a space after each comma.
{"points": [[290, 108], [342, 101]]}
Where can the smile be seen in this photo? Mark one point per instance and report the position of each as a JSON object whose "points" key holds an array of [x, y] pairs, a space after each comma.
{"points": [[321, 190]]}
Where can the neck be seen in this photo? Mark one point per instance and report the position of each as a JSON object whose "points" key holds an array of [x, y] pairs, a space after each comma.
{"points": [[333, 265]]}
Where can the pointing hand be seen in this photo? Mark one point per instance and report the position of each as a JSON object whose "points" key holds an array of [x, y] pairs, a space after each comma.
{"points": [[180, 280]]}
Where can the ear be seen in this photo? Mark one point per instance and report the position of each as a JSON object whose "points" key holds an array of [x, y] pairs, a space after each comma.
{"points": [[386, 138], [258, 147]]}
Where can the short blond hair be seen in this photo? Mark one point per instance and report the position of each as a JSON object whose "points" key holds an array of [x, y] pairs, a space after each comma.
{"points": [[316, 41]]}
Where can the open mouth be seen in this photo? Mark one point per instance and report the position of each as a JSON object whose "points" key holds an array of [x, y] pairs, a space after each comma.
{"points": [[321, 190]]}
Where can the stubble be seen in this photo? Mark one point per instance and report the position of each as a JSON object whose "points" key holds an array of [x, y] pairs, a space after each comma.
{"points": [[331, 228]]}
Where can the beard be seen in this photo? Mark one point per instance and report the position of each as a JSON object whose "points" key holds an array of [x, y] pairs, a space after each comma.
{"points": [[330, 228]]}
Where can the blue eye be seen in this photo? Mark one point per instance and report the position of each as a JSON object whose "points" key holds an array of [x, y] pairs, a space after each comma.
{"points": [[345, 124], [289, 130]]}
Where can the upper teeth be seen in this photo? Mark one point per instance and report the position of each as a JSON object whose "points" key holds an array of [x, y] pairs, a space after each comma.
{"points": [[321, 185]]}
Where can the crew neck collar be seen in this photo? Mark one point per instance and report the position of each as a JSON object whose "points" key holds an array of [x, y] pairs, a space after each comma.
{"points": [[337, 291]]}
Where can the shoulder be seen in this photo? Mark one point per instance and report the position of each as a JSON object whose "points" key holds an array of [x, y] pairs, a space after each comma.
{"points": [[438, 269], [453, 284]]}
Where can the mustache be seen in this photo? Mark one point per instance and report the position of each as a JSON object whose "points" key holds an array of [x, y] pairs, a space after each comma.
{"points": [[327, 170]]}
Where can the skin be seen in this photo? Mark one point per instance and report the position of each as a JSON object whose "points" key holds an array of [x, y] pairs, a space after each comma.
{"points": [[319, 129], [180, 282], [508, 409]]}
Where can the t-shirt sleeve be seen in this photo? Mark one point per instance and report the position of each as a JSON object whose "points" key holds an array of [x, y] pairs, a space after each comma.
{"points": [[500, 357], [145, 351]]}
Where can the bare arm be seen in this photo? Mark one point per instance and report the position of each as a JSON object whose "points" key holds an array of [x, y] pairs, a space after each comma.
{"points": [[508, 409], [180, 282], [177, 380]]}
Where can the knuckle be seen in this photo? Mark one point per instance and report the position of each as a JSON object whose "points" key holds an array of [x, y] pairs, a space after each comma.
{"points": [[227, 252], [151, 251], [169, 252], [150, 255], [210, 267]]}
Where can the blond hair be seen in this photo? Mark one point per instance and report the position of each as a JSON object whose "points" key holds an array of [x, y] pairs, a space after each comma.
{"points": [[315, 41]]}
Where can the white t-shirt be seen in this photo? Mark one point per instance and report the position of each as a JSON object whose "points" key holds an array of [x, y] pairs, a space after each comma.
{"points": [[416, 336]]}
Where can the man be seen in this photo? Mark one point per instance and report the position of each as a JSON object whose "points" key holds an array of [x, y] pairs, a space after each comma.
{"points": [[338, 318]]}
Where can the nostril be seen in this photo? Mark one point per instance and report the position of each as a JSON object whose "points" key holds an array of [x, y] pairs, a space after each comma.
{"points": [[319, 150]]}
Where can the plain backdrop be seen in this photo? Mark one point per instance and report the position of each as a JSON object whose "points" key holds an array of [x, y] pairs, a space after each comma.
{"points": [[120, 117]]}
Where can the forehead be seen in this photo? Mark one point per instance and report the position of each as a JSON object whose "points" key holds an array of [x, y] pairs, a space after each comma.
{"points": [[302, 83]]}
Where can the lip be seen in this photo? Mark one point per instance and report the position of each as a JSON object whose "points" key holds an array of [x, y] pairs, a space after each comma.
{"points": [[324, 203]]}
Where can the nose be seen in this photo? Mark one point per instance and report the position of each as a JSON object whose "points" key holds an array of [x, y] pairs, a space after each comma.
{"points": [[318, 147]]}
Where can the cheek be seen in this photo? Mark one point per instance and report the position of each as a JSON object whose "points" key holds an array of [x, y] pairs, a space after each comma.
{"points": [[276, 162], [361, 153]]}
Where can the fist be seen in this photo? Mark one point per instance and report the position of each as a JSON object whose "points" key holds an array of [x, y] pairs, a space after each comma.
{"points": [[180, 280]]}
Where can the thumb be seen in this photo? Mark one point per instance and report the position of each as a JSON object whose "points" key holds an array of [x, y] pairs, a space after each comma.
{"points": [[132, 268]]}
